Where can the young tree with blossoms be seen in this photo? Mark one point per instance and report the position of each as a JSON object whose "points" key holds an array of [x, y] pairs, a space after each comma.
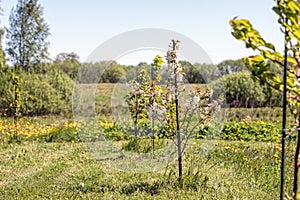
{"points": [[178, 113], [145, 95], [137, 99], [155, 93], [184, 113]]}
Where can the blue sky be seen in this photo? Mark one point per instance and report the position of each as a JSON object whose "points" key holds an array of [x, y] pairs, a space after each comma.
{"points": [[80, 26]]}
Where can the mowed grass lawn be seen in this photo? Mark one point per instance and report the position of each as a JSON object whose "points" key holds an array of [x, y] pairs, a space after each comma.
{"points": [[230, 170]]}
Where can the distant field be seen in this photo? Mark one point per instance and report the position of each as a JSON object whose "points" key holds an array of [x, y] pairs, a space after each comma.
{"points": [[107, 93]]}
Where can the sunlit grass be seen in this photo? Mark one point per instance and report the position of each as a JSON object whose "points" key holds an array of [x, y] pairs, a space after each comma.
{"points": [[230, 170]]}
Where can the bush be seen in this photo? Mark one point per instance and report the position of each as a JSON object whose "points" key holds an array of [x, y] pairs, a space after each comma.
{"points": [[246, 131], [6, 91], [114, 132], [242, 91], [114, 74], [41, 94]]}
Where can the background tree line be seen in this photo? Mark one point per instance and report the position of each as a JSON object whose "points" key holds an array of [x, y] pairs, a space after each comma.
{"points": [[46, 85]]}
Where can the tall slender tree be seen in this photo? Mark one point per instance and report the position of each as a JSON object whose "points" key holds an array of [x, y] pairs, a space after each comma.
{"points": [[27, 44]]}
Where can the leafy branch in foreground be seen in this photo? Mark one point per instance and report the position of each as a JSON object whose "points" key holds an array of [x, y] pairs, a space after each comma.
{"points": [[288, 12]]}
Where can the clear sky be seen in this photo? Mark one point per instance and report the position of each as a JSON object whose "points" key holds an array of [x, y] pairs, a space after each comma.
{"points": [[81, 25]]}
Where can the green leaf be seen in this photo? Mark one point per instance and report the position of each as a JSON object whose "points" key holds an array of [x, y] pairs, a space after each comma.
{"points": [[296, 34], [256, 59], [298, 196], [293, 6], [276, 10], [291, 60], [270, 46]]}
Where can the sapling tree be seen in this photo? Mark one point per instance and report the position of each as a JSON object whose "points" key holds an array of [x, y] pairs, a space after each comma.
{"points": [[184, 113], [288, 12], [144, 96], [137, 98], [180, 111], [155, 93], [176, 73], [16, 104]]}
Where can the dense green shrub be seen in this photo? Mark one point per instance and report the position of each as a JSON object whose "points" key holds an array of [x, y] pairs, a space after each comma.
{"points": [[114, 74], [245, 131], [41, 94], [115, 132], [6, 91], [63, 86], [241, 90]]}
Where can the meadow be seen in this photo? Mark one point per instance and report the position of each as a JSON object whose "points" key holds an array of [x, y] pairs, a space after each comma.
{"points": [[106, 143], [231, 170], [45, 158]]}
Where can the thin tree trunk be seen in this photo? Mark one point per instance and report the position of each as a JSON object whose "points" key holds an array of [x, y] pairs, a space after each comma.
{"points": [[136, 118], [152, 110], [178, 131], [152, 129], [16, 112]]}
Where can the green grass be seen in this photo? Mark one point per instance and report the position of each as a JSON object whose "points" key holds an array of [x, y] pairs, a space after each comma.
{"points": [[103, 98], [231, 170], [212, 169]]}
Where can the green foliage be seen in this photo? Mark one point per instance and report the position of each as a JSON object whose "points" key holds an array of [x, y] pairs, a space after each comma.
{"points": [[106, 72], [63, 86], [230, 66], [245, 131], [168, 129], [2, 53], [27, 35], [6, 93], [205, 73], [113, 74], [16, 104], [68, 63], [138, 98], [288, 14], [39, 93], [63, 134], [115, 133], [144, 96], [91, 72], [242, 91], [193, 74]]}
